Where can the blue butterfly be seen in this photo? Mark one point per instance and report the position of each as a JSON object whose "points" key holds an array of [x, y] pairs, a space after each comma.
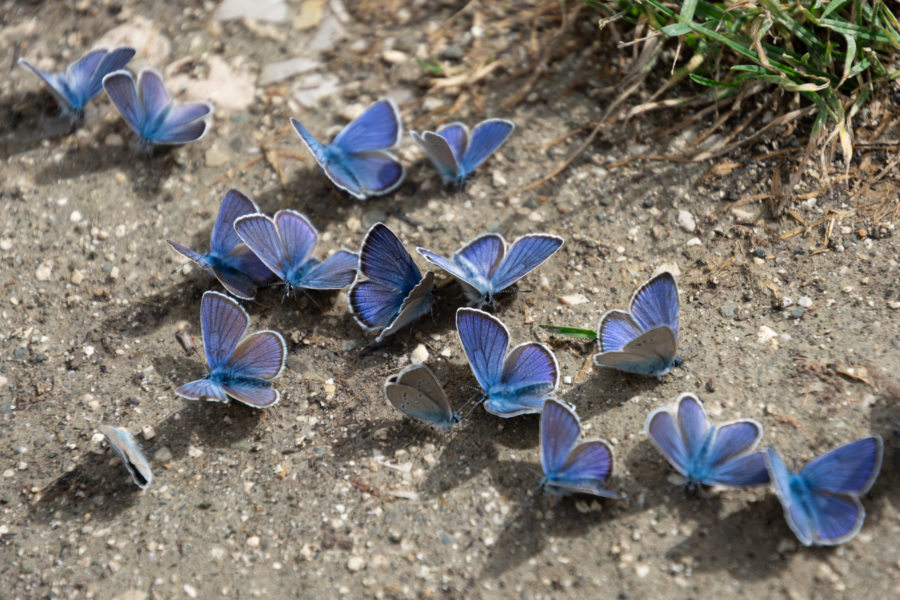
{"points": [[571, 468], [130, 453], [514, 384], [821, 501], [359, 160], [415, 392], [705, 453], [83, 79], [393, 293], [455, 153], [150, 112], [239, 367], [642, 340], [285, 243], [232, 263], [484, 267]]}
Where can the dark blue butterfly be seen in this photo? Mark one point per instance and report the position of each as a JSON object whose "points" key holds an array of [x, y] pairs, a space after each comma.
{"points": [[232, 263], [455, 153], [285, 244], [359, 160], [393, 293], [642, 340], [150, 112], [569, 468], [415, 392], [484, 267], [83, 79], [821, 501], [514, 384], [705, 453], [239, 367]]}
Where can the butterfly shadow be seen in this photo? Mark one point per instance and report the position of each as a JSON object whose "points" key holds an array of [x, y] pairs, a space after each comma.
{"points": [[538, 517], [885, 420], [147, 173], [99, 477], [618, 389], [29, 122], [745, 542], [468, 452]]}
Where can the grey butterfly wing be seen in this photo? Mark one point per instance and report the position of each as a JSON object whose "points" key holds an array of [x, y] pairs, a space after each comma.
{"points": [[651, 353], [416, 304], [416, 392], [130, 453]]}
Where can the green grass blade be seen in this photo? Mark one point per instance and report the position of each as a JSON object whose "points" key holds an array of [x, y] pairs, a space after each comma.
{"points": [[575, 332]]}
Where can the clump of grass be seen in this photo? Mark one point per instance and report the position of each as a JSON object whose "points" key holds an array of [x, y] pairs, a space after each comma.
{"points": [[834, 54]]}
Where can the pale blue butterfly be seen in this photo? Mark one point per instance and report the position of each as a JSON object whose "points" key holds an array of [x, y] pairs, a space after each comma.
{"points": [[456, 153], [415, 392], [359, 159], [130, 453], [704, 453]]}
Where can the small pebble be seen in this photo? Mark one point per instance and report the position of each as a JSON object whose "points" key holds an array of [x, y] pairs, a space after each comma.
{"points": [[148, 432], [194, 452], [728, 311], [573, 299], [394, 57], [805, 301], [767, 335], [190, 590], [356, 563], [419, 354], [686, 221], [253, 541], [163, 455], [43, 272]]}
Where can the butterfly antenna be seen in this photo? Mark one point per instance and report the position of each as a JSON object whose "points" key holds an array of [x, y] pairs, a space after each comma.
{"points": [[474, 401], [370, 348]]}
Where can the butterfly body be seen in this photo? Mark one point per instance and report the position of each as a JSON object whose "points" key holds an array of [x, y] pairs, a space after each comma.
{"points": [[151, 113], [359, 160], [570, 467], [706, 453], [285, 244], [229, 259], [455, 153], [513, 383], [642, 340], [240, 367], [822, 500], [485, 266], [83, 79], [390, 291]]}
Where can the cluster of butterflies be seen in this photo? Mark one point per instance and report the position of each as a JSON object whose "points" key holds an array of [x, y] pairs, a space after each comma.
{"points": [[249, 249], [146, 105], [358, 161]]}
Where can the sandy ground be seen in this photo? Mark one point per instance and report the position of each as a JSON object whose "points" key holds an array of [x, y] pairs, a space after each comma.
{"points": [[332, 492]]}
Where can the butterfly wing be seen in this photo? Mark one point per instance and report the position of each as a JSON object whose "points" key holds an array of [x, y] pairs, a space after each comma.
{"points": [[56, 84], [485, 339], [560, 430], [79, 79], [617, 328], [486, 138], [111, 61], [378, 128], [383, 258], [589, 466], [334, 273], [655, 303], [850, 469], [415, 305], [298, 237], [203, 389], [457, 137], [797, 516], [261, 235], [154, 96], [261, 354], [375, 173], [731, 460], [224, 239], [651, 353], [374, 305], [694, 424], [530, 373], [183, 124], [120, 87], [416, 392], [838, 518], [524, 255], [666, 436], [130, 453], [472, 264], [223, 323], [440, 154], [200, 259]]}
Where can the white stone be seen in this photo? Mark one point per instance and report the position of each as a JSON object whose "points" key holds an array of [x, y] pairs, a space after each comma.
{"points": [[273, 11], [285, 69], [686, 221], [419, 354]]}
